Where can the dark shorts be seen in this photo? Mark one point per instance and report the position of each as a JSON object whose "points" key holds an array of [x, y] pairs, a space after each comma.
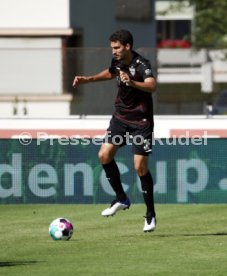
{"points": [[139, 136]]}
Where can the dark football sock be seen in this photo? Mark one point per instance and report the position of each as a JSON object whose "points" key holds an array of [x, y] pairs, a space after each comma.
{"points": [[113, 176], [148, 190]]}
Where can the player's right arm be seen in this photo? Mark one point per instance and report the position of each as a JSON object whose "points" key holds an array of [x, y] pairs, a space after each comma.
{"points": [[104, 75]]}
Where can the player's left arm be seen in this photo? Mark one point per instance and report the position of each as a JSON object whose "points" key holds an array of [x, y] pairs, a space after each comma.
{"points": [[148, 85]]}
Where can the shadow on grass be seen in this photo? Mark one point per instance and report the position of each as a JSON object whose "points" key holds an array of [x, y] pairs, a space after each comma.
{"points": [[193, 235], [5, 264]]}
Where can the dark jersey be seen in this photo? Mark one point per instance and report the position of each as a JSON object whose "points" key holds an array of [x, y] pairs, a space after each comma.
{"points": [[133, 105]]}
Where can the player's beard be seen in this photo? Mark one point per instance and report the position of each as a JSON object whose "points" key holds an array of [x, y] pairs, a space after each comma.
{"points": [[121, 57], [117, 57]]}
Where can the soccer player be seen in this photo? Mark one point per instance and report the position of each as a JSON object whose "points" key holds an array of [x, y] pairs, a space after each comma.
{"points": [[133, 116]]}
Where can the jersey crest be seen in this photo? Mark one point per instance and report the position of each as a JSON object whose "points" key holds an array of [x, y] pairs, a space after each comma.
{"points": [[132, 71]]}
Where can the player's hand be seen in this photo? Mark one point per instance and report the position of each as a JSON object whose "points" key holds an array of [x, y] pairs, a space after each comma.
{"points": [[78, 80], [125, 78]]}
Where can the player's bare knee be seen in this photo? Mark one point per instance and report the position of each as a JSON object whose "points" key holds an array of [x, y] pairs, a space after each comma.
{"points": [[103, 157], [140, 169]]}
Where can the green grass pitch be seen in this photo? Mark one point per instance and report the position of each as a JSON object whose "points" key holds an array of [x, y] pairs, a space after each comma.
{"points": [[188, 240]]}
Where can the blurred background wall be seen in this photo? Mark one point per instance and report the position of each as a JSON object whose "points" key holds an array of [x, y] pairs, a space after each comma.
{"points": [[45, 43]]}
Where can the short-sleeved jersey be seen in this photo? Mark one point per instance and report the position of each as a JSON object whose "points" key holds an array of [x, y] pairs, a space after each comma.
{"points": [[133, 105]]}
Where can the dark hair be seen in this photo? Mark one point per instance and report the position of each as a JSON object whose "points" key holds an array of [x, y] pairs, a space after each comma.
{"points": [[124, 36]]}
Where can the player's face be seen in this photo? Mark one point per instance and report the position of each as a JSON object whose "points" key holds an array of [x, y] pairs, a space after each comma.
{"points": [[119, 51]]}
